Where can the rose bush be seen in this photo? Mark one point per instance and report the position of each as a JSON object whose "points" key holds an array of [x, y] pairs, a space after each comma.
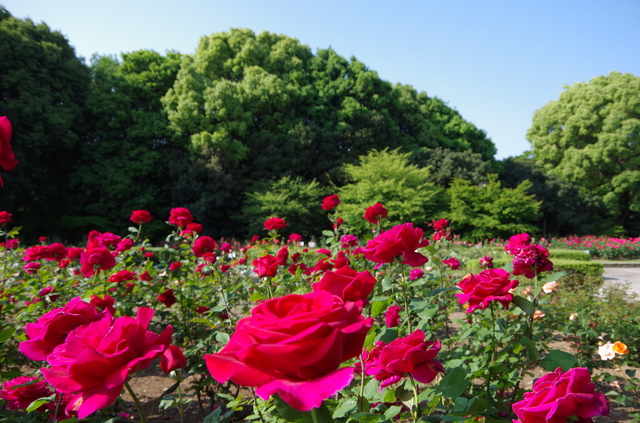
{"points": [[293, 346]]}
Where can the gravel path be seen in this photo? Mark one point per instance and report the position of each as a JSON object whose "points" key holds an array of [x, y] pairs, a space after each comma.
{"points": [[617, 275]]}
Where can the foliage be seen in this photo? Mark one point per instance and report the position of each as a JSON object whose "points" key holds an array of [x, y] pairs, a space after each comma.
{"points": [[294, 200], [125, 161], [567, 254], [590, 137], [387, 177], [44, 87], [489, 210], [446, 165], [609, 248]]}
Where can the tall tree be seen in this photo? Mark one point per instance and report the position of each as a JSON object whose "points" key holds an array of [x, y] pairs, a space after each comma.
{"points": [[590, 136], [125, 160], [43, 89]]}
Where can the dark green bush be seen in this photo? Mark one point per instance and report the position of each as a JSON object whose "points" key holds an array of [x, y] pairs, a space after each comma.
{"points": [[566, 254]]}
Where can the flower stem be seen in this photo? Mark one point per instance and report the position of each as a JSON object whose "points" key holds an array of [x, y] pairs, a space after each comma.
{"points": [[416, 411], [143, 417], [180, 404]]}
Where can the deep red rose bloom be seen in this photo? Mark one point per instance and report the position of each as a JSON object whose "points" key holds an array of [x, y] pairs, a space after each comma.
{"points": [[175, 266], [283, 255], [375, 213], [340, 260], [167, 298], [274, 223], [330, 202], [391, 362], [266, 266], [7, 156], [226, 247], [99, 258], [36, 252], [439, 225], [452, 262], [12, 243], [20, 397], [293, 346], [32, 268], [517, 241], [124, 245], [401, 239], [140, 217], [295, 238], [50, 291], [202, 309], [104, 303], [202, 245], [490, 285], [172, 359], [348, 241], [52, 328], [74, 253], [224, 268], [392, 316], [96, 359], [416, 274], [558, 396], [145, 276], [486, 262], [194, 228], [108, 239], [347, 284], [180, 217], [5, 217], [123, 276], [56, 252], [530, 260]]}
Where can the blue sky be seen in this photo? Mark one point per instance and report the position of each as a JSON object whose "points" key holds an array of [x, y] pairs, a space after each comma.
{"points": [[496, 62]]}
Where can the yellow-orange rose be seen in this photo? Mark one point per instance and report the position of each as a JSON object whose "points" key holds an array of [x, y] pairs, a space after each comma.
{"points": [[620, 348]]}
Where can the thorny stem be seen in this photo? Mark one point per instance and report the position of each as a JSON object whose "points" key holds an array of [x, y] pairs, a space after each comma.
{"points": [[143, 417]]}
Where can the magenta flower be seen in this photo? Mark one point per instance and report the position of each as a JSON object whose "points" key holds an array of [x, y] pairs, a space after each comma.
{"points": [[347, 284], [490, 285], [392, 316], [400, 240]]}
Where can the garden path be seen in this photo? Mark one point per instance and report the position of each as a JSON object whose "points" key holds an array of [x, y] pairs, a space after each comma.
{"points": [[618, 275]]}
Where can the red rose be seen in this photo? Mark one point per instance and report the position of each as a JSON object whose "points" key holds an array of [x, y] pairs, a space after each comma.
{"points": [[531, 260], [145, 276], [180, 217], [392, 316], [52, 328], [140, 217], [175, 266], [48, 291], [293, 346], [401, 239], [123, 276], [375, 213], [5, 217], [558, 396], [347, 284], [202, 245], [439, 225], [7, 156], [409, 355], [98, 258], [194, 228], [96, 359], [202, 309], [105, 303], [32, 268], [452, 262], [20, 392], [295, 238], [274, 223], [486, 262], [416, 274], [172, 359], [167, 298], [12, 243], [124, 245], [226, 247], [330, 202], [490, 285], [266, 266]]}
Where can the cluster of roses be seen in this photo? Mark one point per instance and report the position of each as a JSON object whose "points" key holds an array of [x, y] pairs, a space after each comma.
{"points": [[89, 355], [294, 345], [529, 259]]}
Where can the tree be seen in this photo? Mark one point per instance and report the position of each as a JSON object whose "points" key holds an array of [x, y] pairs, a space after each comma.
{"points": [[590, 136], [43, 89], [294, 200], [445, 165], [387, 177], [487, 211], [126, 158]]}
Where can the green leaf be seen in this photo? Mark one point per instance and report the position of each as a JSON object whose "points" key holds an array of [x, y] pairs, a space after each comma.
{"points": [[554, 277], [327, 233], [532, 351], [388, 335], [557, 358], [378, 307], [344, 409], [428, 312], [222, 338], [290, 414], [39, 402], [7, 333], [386, 284], [257, 296], [526, 305], [403, 394], [454, 383], [392, 412]]}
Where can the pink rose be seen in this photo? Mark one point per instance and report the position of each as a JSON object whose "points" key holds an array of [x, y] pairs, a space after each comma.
{"points": [[375, 214], [52, 328], [531, 260], [7, 156], [347, 284], [416, 274], [452, 262], [558, 396], [293, 346], [226, 247], [295, 238], [391, 362], [4, 217], [202, 245], [266, 266], [392, 316], [20, 397], [490, 285], [123, 276], [172, 359], [99, 258], [124, 245], [330, 202], [180, 217], [274, 223], [401, 239], [140, 217], [97, 358]]}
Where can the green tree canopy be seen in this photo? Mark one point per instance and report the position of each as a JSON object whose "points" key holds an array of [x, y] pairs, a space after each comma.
{"points": [[590, 136], [125, 160], [445, 165], [43, 89], [387, 177], [489, 211]]}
